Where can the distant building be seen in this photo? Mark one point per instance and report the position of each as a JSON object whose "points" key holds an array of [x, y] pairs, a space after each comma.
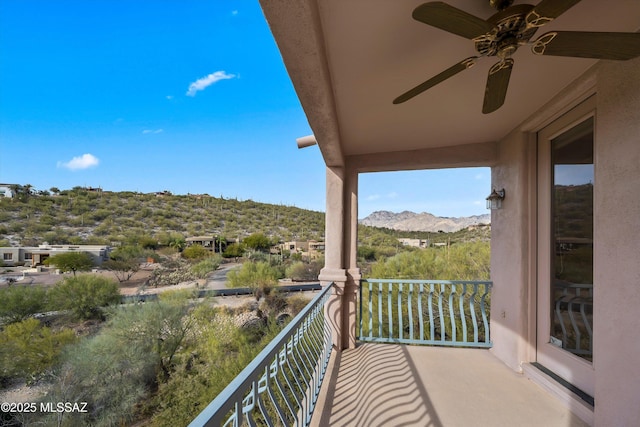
{"points": [[416, 243], [209, 242], [5, 190], [310, 248], [34, 256], [296, 246]]}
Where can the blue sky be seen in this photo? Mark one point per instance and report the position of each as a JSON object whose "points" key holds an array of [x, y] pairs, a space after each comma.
{"points": [[179, 95]]}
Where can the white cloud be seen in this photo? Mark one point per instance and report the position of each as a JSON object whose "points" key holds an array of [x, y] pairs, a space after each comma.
{"points": [[156, 131], [234, 12], [373, 197], [204, 82], [81, 162], [479, 176], [169, 97]]}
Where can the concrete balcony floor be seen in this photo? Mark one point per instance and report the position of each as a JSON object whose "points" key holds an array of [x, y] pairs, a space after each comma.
{"points": [[400, 385]]}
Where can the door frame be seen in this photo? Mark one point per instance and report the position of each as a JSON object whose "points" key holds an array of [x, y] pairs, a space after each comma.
{"points": [[571, 368]]}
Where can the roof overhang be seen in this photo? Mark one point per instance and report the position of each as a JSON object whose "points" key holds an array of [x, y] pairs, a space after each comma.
{"points": [[348, 60]]}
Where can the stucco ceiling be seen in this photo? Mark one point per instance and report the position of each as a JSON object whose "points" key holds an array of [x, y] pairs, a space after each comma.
{"points": [[349, 59]]}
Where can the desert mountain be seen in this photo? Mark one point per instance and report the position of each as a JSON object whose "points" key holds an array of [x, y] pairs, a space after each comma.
{"points": [[411, 221]]}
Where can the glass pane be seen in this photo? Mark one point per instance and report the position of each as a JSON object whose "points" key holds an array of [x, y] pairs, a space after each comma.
{"points": [[572, 239]]}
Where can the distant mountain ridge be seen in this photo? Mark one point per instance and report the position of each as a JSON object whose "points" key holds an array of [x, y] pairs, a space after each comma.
{"points": [[411, 221]]}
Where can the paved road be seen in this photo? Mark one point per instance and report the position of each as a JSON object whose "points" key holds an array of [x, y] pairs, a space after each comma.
{"points": [[218, 279]]}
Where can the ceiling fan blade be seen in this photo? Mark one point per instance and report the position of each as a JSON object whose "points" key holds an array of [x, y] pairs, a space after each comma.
{"points": [[497, 85], [448, 18], [548, 10], [449, 72], [620, 46]]}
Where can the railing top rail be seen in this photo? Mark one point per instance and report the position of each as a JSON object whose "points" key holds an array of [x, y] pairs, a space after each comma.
{"points": [[225, 400], [427, 282]]}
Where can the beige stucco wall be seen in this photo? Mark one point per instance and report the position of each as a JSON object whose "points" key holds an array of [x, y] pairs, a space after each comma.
{"points": [[616, 241], [617, 245], [509, 252]]}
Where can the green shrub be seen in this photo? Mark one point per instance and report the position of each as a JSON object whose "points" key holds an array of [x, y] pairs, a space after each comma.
{"points": [[303, 271], [367, 253], [116, 371], [110, 375], [259, 276], [85, 295], [195, 252], [219, 352], [19, 302], [461, 261], [296, 303], [234, 250], [27, 349], [206, 266]]}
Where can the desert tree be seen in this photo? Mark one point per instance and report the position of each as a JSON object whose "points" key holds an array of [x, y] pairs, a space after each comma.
{"points": [[71, 261], [124, 261]]}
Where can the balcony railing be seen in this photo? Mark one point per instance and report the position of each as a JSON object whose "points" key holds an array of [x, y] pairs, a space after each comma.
{"points": [[281, 385], [434, 312]]}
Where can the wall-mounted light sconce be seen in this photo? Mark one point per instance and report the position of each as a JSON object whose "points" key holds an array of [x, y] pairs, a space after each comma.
{"points": [[494, 201]]}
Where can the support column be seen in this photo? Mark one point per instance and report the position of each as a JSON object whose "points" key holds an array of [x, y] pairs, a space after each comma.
{"points": [[333, 271], [352, 285]]}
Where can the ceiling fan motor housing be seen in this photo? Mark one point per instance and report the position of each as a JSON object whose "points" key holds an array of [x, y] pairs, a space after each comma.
{"points": [[509, 32]]}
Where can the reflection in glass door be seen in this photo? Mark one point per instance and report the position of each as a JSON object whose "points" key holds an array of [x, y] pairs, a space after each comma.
{"points": [[565, 247], [572, 240]]}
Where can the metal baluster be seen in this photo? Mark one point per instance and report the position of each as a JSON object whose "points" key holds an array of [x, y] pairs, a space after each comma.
{"points": [[370, 310], [237, 414], [294, 373], [308, 355], [379, 309], [463, 317], [390, 310], [273, 372], [304, 371], [282, 356], [432, 326], [441, 314], [452, 315], [472, 311], [249, 403], [361, 304], [400, 311], [485, 320], [261, 389], [420, 310], [410, 310]]}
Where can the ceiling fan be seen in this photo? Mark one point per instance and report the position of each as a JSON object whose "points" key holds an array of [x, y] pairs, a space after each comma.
{"points": [[511, 27]]}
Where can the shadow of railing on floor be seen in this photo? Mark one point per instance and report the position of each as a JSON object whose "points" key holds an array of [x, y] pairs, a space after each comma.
{"points": [[376, 386]]}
